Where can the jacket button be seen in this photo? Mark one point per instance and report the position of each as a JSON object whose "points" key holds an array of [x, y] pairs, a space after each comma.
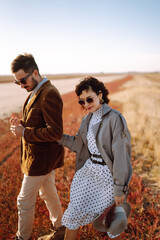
{"points": [[80, 160], [123, 134], [104, 146]]}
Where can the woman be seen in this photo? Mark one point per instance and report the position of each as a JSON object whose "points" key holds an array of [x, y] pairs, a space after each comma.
{"points": [[103, 167]]}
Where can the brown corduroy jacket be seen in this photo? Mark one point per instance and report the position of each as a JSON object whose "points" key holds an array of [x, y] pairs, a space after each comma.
{"points": [[42, 119]]}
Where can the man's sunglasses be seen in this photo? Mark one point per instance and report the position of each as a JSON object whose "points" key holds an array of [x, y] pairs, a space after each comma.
{"points": [[23, 80], [88, 100]]}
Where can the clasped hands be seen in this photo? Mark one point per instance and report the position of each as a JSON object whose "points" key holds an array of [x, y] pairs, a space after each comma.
{"points": [[16, 127]]}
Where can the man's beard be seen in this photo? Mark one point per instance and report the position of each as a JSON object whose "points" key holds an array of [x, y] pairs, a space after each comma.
{"points": [[34, 84]]}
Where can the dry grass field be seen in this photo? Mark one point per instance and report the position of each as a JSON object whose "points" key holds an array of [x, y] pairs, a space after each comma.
{"points": [[139, 100]]}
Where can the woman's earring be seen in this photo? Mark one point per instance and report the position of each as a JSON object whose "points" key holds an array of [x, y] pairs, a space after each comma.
{"points": [[101, 101]]}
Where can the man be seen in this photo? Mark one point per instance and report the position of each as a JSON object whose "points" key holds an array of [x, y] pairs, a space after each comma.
{"points": [[40, 128]]}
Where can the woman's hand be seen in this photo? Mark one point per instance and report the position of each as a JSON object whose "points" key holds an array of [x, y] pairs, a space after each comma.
{"points": [[119, 199]]}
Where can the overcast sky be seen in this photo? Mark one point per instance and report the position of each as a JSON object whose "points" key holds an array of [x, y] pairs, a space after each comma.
{"points": [[78, 36]]}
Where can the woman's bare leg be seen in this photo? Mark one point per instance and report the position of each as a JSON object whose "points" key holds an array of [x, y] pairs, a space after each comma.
{"points": [[71, 234]]}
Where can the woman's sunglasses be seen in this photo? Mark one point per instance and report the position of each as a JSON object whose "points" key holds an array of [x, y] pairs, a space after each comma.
{"points": [[23, 80], [88, 100]]}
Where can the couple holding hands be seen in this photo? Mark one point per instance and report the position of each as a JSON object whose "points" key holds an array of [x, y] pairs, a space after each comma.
{"points": [[103, 157]]}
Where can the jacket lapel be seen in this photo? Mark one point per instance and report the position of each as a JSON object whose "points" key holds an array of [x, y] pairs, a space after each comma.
{"points": [[96, 127], [84, 127], [85, 123], [25, 103], [105, 109], [27, 106], [24, 108]]}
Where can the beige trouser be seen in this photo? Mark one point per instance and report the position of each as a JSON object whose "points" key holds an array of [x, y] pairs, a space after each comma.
{"points": [[27, 198]]}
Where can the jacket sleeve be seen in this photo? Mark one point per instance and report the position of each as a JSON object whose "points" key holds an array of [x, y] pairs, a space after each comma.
{"points": [[52, 114], [121, 149], [67, 141], [74, 143]]}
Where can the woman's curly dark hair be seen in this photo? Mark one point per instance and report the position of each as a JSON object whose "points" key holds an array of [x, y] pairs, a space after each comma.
{"points": [[95, 85]]}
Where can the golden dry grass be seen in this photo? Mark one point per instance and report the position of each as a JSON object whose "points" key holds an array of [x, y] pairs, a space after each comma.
{"points": [[140, 104]]}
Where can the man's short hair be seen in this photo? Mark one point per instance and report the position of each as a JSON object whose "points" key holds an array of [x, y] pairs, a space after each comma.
{"points": [[25, 62]]}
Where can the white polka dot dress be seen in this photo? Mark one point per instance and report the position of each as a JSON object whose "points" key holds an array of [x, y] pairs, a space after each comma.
{"points": [[92, 187]]}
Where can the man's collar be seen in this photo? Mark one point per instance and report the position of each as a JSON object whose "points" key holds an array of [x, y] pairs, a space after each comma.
{"points": [[40, 84]]}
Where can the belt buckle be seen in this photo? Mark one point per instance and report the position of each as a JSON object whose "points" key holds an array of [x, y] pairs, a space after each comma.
{"points": [[96, 161], [93, 160]]}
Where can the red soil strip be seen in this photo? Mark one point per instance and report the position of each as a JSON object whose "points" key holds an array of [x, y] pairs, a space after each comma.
{"points": [[115, 86]]}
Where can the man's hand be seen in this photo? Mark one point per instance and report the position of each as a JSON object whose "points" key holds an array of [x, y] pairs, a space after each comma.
{"points": [[14, 120], [119, 199], [17, 130]]}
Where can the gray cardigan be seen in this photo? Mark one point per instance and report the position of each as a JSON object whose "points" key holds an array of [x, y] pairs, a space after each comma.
{"points": [[113, 141]]}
